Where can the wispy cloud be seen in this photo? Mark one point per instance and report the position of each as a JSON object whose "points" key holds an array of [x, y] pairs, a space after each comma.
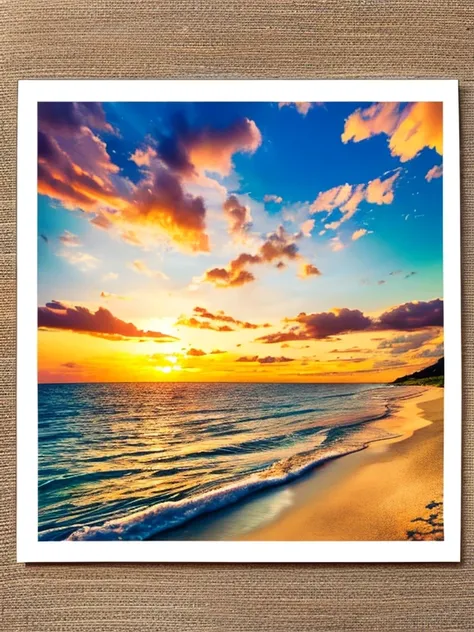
{"points": [[110, 276], [336, 244], [434, 172], [270, 197], [142, 268], [81, 260], [266, 359], [347, 198], [70, 240]]}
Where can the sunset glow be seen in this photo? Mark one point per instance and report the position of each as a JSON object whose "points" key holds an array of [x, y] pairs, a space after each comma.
{"points": [[239, 242]]}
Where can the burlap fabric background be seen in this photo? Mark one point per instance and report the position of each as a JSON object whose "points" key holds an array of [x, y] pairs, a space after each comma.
{"points": [[230, 39]]}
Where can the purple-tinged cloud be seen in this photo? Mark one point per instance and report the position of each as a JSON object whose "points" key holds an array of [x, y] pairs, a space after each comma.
{"points": [[100, 323]]}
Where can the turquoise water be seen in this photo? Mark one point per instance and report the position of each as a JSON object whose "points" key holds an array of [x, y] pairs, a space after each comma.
{"points": [[131, 461]]}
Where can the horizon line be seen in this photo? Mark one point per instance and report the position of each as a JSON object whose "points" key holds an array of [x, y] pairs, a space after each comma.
{"points": [[198, 382]]}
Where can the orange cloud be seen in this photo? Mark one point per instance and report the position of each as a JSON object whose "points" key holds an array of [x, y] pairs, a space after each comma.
{"points": [[221, 316], [421, 127], [85, 186], [410, 129], [196, 352], [376, 119], [306, 227], [160, 203], [212, 149], [332, 198], [101, 323], [188, 151], [357, 234], [308, 269], [381, 191], [201, 324], [222, 277]]}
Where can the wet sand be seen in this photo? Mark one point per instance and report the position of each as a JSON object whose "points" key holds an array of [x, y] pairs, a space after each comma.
{"points": [[377, 493]]}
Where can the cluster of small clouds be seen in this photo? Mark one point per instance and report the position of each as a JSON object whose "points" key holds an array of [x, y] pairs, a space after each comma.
{"points": [[347, 198], [266, 359], [409, 129], [278, 248], [209, 319]]}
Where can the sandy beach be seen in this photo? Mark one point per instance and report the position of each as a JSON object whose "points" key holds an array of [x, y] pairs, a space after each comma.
{"points": [[378, 493]]}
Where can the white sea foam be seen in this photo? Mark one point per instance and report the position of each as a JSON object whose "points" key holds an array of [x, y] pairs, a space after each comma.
{"points": [[160, 517]]}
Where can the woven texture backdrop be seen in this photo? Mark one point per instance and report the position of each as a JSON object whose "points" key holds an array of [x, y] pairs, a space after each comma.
{"points": [[230, 39]]}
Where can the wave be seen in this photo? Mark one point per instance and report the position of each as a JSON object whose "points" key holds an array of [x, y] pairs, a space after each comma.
{"points": [[163, 516]]}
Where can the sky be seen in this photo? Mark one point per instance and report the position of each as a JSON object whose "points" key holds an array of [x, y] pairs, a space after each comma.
{"points": [[227, 242]]}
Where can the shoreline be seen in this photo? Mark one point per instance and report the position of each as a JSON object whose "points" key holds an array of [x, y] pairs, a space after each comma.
{"points": [[374, 494]]}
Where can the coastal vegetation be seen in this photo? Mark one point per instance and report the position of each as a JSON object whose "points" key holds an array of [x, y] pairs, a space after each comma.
{"points": [[431, 376]]}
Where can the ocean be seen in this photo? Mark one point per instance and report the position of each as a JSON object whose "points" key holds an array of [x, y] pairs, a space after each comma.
{"points": [[135, 461]]}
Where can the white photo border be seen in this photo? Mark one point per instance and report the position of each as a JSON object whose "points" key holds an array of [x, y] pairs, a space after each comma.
{"points": [[29, 548]]}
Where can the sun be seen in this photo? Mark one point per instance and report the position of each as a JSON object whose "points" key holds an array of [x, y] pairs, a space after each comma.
{"points": [[168, 369]]}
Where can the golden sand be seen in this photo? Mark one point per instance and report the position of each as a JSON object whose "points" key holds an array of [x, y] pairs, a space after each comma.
{"points": [[377, 493]]}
